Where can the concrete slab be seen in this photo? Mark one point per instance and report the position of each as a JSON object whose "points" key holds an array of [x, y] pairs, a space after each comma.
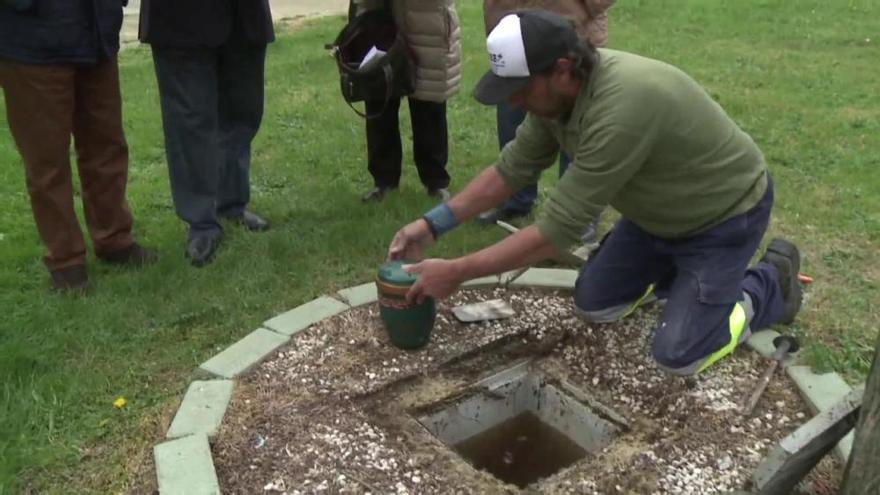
{"points": [[547, 278], [244, 354], [202, 408], [185, 467], [309, 313], [821, 392], [359, 295]]}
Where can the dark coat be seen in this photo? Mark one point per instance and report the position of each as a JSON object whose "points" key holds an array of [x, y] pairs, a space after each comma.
{"points": [[59, 31], [203, 23]]}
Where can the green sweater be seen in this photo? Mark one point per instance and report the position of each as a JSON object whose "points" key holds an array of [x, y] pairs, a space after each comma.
{"points": [[646, 139]]}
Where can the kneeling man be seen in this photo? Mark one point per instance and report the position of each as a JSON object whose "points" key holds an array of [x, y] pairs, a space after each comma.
{"points": [[692, 188]]}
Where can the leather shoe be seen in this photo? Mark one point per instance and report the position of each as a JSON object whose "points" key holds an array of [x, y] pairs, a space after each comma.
{"points": [[442, 194], [73, 279], [251, 221], [201, 248], [503, 214], [376, 194], [134, 256]]}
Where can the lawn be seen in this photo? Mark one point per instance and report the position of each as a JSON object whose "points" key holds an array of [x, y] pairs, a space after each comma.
{"points": [[801, 77]]}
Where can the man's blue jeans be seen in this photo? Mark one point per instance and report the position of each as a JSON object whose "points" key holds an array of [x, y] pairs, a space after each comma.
{"points": [[508, 119], [702, 277]]}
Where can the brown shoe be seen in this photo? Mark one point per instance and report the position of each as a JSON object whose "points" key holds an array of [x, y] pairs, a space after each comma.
{"points": [[134, 256], [72, 279]]}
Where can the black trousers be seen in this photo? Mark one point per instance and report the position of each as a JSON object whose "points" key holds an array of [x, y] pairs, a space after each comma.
{"points": [[212, 106], [430, 143]]}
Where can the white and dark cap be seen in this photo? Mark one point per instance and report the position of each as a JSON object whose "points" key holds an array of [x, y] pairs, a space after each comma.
{"points": [[521, 45]]}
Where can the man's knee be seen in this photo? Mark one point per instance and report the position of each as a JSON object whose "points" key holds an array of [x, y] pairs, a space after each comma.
{"points": [[601, 315], [675, 358]]}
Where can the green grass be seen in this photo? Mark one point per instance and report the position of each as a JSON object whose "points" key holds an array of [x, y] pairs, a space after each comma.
{"points": [[801, 77]]}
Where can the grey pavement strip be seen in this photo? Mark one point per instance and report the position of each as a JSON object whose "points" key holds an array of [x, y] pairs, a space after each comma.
{"points": [[185, 467], [202, 408], [359, 294], [244, 354], [309, 313]]}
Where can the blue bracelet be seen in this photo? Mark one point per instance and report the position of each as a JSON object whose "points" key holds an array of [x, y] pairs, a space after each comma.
{"points": [[440, 220]]}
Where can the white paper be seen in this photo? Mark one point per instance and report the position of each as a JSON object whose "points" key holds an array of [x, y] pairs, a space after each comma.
{"points": [[373, 54]]}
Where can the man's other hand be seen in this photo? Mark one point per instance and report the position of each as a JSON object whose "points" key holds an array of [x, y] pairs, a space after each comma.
{"points": [[437, 278]]}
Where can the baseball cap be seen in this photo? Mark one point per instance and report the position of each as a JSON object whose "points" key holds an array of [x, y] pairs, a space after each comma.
{"points": [[521, 45]]}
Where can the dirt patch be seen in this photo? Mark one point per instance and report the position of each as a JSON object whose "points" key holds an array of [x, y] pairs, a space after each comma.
{"points": [[334, 410]]}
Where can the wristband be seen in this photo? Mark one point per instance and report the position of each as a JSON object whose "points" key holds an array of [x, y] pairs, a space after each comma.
{"points": [[440, 220]]}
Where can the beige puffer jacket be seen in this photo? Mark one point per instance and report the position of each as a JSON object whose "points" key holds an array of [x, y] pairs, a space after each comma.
{"points": [[589, 16], [432, 31]]}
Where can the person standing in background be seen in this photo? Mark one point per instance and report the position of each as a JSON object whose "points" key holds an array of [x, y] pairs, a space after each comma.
{"points": [[209, 57], [590, 18], [59, 75], [432, 32]]}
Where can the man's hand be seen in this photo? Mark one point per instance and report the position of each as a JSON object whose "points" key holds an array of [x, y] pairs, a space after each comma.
{"points": [[437, 278], [411, 241]]}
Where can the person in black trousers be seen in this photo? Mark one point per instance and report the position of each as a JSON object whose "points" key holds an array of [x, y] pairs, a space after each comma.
{"points": [[432, 33], [209, 57]]}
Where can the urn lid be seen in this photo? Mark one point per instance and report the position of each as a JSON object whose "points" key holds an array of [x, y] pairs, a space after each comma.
{"points": [[393, 273]]}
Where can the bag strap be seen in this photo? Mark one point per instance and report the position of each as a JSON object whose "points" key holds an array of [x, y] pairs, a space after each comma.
{"points": [[388, 82]]}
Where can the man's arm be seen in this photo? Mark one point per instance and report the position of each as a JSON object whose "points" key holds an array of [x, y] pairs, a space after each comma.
{"points": [[485, 191], [438, 278]]}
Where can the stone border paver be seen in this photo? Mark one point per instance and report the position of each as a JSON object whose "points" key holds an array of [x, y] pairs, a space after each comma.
{"points": [[821, 392], [301, 317], [547, 278], [184, 465], [360, 294], [202, 408], [244, 354]]}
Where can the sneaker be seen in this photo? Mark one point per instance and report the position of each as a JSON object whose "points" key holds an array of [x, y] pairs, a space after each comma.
{"points": [[787, 260], [441, 194], [590, 236], [376, 194], [134, 256], [503, 214]]}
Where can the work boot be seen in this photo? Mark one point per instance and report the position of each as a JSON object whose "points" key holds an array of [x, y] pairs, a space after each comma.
{"points": [[787, 260], [376, 194], [134, 256], [504, 214], [250, 220], [72, 279]]}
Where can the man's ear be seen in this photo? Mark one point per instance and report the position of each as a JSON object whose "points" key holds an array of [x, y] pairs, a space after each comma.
{"points": [[563, 67]]}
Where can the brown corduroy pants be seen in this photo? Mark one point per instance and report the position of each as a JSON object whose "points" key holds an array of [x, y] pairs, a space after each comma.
{"points": [[45, 105]]}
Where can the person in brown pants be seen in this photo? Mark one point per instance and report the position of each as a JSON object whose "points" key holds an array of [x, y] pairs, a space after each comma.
{"points": [[60, 78]]}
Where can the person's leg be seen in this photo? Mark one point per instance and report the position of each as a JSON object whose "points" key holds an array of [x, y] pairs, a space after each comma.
{"points": [[240, 88], [715, 302], [384, 149], [187, 81], [102, 157], [620, 275], [39, 110], [508, 119], [430, 142]]}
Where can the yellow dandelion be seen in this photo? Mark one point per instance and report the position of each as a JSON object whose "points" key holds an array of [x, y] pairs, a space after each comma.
{"points": [[120, 403]]}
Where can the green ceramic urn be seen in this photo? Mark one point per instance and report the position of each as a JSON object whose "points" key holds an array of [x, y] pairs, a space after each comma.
{"points": [[409, 325]]}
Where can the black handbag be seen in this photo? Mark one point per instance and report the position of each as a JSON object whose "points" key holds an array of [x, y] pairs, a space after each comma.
{"points": [[391, 76]]}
